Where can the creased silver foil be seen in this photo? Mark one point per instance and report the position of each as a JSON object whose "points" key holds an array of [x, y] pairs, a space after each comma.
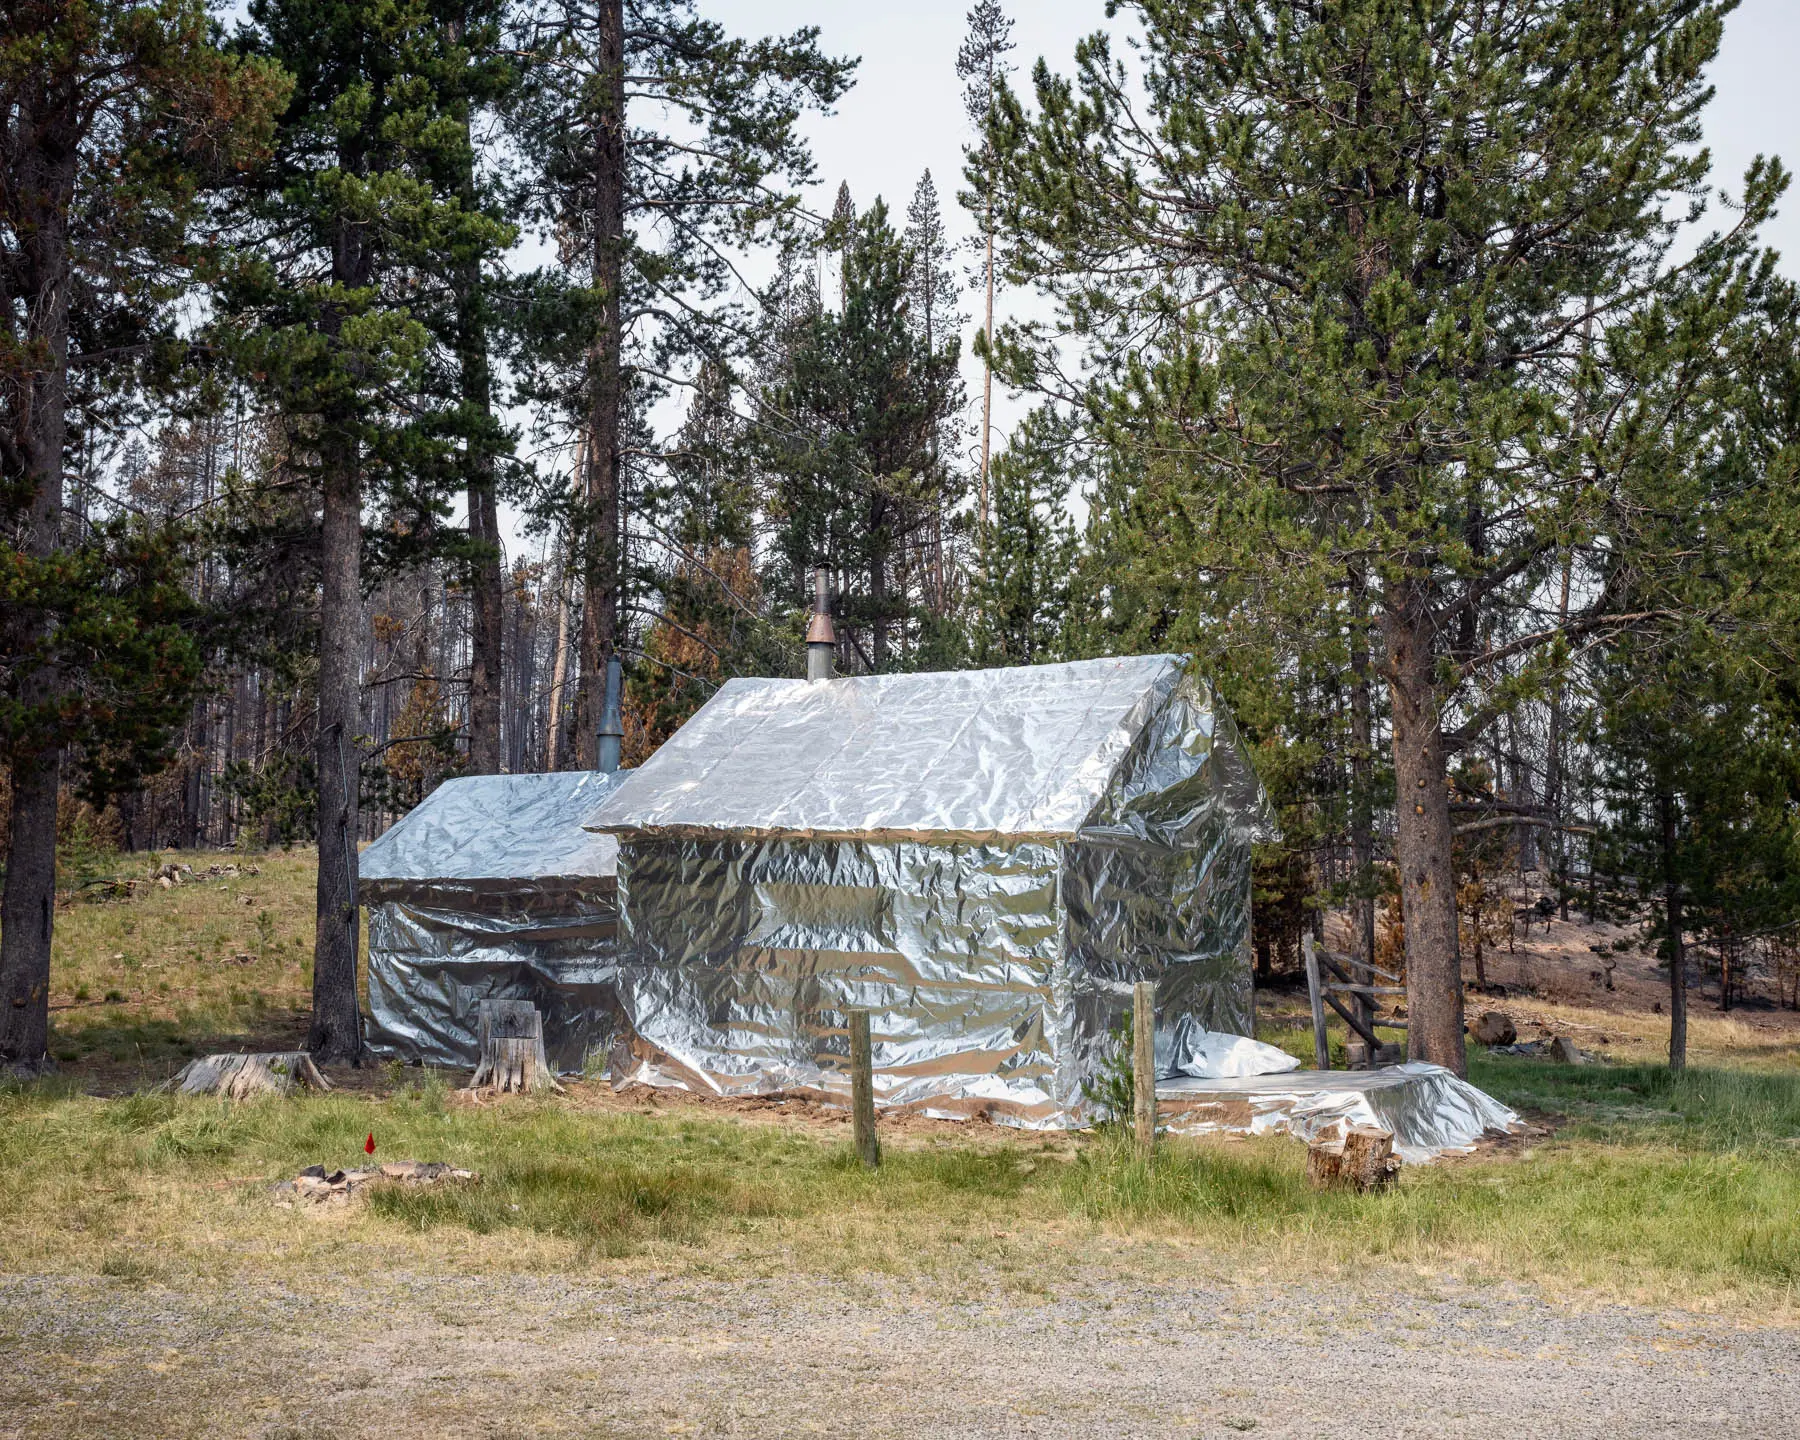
{"points": [[1427, 1109], [985, 860], [491, 888]]}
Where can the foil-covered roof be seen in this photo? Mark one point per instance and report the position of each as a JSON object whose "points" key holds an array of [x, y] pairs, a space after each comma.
{"points": [[496, 829], [1028, 751]]}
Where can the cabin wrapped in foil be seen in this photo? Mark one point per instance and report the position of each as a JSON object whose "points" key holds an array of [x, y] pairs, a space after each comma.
{"points": [[491, 889], [985, 860]]}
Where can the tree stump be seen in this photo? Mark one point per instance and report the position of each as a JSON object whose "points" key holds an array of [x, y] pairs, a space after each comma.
{"points": [[512, 1049], [239, 1076], [1362, 1160]]}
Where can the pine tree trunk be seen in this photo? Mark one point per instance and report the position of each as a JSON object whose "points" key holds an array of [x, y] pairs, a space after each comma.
{"points": [[1422, 847], [27, 914], [1674, 920], [1362, 755], [987, 379], [559, 673], [486, 589], [600, 570], [336, 1034], [40, 278]]}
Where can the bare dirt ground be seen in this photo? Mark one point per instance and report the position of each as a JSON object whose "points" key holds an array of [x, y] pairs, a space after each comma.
{"points": [[654, 1355], [1552, 979]]}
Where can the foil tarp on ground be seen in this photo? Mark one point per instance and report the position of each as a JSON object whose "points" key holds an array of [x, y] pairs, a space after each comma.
{"points": [[987, 861], [1427, 1109]]}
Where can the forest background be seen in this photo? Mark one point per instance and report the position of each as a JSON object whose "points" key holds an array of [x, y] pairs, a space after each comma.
{"points": [[375, 375]]}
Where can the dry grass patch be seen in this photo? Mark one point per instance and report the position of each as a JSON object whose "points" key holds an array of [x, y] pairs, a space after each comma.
{"points": [[1684, 1192]]}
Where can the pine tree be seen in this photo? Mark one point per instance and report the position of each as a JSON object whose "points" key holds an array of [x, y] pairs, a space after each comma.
{"points": [[981, 65], [471, 77], [1022, 598], [648, 214], [1345, 286], [1698, 750], [936, 315], [114, 116], [349, 219], [848, 439]]}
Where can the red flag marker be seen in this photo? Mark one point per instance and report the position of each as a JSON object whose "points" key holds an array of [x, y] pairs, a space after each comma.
{"points": [[369, 1144]]}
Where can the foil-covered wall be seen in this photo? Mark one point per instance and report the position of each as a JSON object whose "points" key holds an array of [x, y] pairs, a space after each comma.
{"points": [[437, 953], [491, 888], [739, 959]]}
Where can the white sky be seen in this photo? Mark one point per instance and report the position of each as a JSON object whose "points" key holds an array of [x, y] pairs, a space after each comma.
{"points": [[904, 114]]}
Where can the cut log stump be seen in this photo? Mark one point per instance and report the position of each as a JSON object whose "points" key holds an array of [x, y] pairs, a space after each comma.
{"points": [[1362, 1160], [512, 1049], [239, 1076]]}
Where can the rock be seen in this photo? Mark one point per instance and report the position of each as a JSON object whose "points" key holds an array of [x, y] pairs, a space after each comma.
{"points": [[1564, 1052], [1493, 1027]]}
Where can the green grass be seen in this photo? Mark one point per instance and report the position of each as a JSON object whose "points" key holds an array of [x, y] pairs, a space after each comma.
{"points": [[140, 983], [1705, 1110], [1683, 1190]]}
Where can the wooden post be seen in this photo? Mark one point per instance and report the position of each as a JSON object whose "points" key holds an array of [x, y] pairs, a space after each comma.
{"points": [[1315, 988], [1143, 1066], [862, 1090]]}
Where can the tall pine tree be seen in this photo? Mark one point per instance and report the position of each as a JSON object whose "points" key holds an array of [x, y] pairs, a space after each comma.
{"points": [[343, 225], [1341, 266], [661, 147], [112, 116]]}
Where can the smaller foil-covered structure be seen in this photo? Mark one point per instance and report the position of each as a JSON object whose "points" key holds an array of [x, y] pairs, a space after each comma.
{"points": [[491, 889], [985, 860], [1427, 1109]]}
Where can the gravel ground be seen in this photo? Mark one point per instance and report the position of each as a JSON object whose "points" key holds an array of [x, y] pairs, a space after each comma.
{"points": [[653, 1355]]}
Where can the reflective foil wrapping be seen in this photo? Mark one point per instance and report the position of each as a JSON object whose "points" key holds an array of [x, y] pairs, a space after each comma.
{"points": [[491, 888], [1427, 1109], [985, 860]]}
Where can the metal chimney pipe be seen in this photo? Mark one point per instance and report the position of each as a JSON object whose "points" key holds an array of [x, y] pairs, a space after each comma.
{"points": [[821, 639], [612, 730]]}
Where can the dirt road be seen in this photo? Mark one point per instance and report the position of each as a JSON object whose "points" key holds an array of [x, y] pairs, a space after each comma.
{"points": [[450, 1355]]}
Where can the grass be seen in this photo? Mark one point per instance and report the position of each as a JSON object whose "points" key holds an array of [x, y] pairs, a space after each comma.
{"points": [[1653, 1187], [1686, 1190], [207, 964]]}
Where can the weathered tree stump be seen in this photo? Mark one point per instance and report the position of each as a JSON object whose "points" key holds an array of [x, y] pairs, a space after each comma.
{"points": [[238, 1076], [1362, 1160], [512, 1049]]}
